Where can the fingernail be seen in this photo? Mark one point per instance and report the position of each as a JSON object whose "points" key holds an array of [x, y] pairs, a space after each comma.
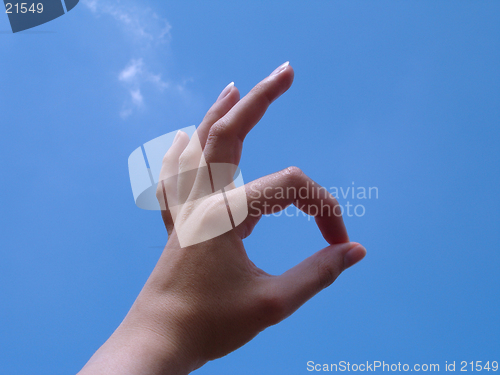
{"points": [[177, 136], [224, 92], [280, 68], [354, 255]]}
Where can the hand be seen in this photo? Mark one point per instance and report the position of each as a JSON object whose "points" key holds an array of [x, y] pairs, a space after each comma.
{"points": [[206, 299]]}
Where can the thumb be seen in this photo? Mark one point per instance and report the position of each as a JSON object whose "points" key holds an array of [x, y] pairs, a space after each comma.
{"points": [[300, 283]]}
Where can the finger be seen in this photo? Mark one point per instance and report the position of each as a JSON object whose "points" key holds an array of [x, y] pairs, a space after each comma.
{"points": [[191, 161], [166, 191], [277, 191], [226, 100], [192, 165], [300, 283], [226, 136]]}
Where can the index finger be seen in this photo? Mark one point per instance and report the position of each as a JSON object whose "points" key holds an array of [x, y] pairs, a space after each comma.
{"points": [[226, 136], [275, 192]]}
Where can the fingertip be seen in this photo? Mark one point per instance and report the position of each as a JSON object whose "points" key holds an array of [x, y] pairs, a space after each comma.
{"points": [[179, 143], [176, 138], [182, 135], [180, 138], [229, 92], [225, 103], [355, 254], [225, 92], [289, 73], [234, 94], [285, 79]]}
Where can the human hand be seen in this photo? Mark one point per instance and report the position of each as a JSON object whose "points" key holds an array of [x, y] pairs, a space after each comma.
{"points": [[206, 299]]}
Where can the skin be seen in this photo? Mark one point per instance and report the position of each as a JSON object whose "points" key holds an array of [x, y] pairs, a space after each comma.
{"points": [[204, 301]]}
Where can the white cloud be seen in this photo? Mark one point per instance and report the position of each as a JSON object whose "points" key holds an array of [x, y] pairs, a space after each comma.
{"points": [[135, 76], [147, 32], [136, 73], [131, 71], [136, 97], [139, 21], [136, 101]]}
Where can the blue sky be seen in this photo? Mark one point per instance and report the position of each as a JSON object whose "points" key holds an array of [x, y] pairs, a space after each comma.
{"points": [[402, 96]]}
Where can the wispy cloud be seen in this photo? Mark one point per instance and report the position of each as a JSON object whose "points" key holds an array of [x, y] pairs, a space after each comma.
{"points": [[136, 72], [147, 32], [139, 21], [135, 76]]}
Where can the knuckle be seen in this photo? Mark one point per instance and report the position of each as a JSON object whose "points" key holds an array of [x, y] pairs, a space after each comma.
{"points": [[208, 210], [327, 274], [169, 157], [221, 129], [160, 196], [211, 113], [166, 158], [159, 193], [272, 308], [261, 94], [188, 160], [294, 174], [184, 160], [215, 203]]}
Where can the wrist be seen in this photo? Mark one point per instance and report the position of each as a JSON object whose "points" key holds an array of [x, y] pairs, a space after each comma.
{"points": [[138, 347]]}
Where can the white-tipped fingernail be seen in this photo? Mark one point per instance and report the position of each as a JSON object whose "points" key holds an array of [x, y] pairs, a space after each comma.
{"points": [[224, 92], [280, 68]]}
